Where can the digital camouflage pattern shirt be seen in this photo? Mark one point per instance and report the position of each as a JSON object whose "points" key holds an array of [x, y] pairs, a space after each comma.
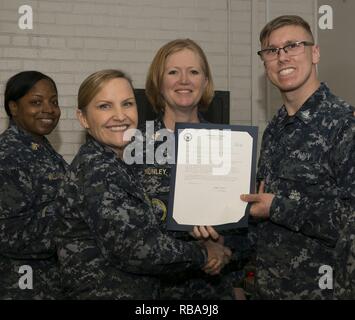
{"points": [[30, 174], [307, 161], [110, 244], [155, 174]]}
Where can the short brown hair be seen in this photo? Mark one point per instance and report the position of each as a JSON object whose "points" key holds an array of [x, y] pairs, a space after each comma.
{"points": [[156, 71], [282, 21], [94, 83]]}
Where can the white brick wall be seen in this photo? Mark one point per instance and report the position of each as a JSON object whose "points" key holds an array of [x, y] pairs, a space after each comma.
{"points": [[73, 38]]}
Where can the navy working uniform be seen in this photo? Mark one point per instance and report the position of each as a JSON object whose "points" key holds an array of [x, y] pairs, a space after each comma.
{"points": [[307, 161], [344, 285], [155, 176], [30, 173], [110, 246], [345, 249]]}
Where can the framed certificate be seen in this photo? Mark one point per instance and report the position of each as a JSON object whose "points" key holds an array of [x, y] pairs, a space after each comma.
{"points": [[214, 165]]}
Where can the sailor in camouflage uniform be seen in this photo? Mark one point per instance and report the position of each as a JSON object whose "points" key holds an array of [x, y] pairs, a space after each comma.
{"points": [[110, 245], [155, 178], [344, 278], [306, 172], [158, 157], [30, 173]]}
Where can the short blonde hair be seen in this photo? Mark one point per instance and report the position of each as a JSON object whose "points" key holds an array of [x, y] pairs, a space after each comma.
{"points": [[156, 71], [95, 82], [282, 21]]}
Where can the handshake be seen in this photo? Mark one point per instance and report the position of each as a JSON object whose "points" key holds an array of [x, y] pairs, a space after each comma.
{"points": [[218, 254]]}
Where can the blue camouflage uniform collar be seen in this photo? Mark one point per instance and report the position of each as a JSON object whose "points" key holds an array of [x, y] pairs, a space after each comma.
{"points": [[126, 171], [103, 149], [309, 109], [25, 137], [100, 147]]}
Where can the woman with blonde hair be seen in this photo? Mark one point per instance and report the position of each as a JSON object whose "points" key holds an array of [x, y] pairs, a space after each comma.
{"points": [[179, 85], [110, 245]]}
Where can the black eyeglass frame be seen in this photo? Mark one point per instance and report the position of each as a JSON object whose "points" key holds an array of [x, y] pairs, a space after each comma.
{"points": [[305, 43]]}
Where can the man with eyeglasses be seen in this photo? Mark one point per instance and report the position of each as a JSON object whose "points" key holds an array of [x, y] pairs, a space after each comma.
{"points": [[304, 209]]}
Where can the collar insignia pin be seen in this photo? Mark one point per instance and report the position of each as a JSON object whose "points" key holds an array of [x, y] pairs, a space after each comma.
{"points": [[34, 146]]}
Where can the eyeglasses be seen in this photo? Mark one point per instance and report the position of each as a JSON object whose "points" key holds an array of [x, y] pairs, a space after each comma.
{"points": [[292, 49]]}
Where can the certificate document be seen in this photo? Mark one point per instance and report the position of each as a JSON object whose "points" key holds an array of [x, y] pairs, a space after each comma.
{"points": [[214, 165]]}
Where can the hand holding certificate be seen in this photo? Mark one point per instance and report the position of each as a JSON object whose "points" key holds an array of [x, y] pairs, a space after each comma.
{"points": [[215, 164]]}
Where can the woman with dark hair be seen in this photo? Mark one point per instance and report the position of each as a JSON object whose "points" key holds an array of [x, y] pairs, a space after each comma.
{"points": [[30, 172]]}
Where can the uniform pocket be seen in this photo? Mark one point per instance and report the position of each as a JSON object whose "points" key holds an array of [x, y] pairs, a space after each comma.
{"points": [[307, 178], [308, 173]]}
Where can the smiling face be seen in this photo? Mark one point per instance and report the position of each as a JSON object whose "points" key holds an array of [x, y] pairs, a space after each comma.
{"points": [[292, 73], [37, 111], [111, 113], [184, 81]]}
